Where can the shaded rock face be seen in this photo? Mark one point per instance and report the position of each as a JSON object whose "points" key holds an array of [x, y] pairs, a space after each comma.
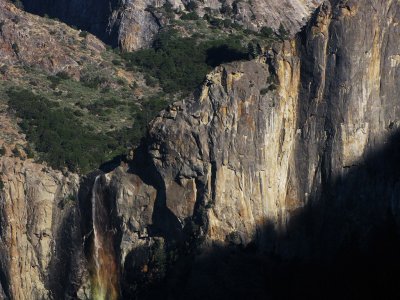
{"points": [[131, 26], [124, 23], [92, 16]]}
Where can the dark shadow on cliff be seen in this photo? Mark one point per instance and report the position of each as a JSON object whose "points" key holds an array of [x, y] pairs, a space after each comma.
{"points": [[165, 223], [224, 54], [67, 266], [345, 245], [92, 16]]}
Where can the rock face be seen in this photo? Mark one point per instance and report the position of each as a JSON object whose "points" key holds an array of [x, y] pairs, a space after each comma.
{"points": [[40, 227], [131, 25], [37, 218], [295, 153], [266, 139], [229, 150], [45, 44]]}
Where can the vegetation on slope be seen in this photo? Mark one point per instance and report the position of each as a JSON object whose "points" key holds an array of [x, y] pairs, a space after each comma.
{"points": [[181, 64], [57, 134], [80, 121], [189, 47]]}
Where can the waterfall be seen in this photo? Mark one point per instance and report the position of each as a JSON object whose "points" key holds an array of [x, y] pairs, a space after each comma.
{"points": [[104, 271]]}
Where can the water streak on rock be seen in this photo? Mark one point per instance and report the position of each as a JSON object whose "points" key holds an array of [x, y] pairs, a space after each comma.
{"points": [[104, 267]]}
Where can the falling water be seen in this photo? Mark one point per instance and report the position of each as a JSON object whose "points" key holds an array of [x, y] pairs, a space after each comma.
{"points": [[104, 272]]}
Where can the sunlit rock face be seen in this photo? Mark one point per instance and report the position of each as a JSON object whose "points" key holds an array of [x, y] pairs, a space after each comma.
{"points": [[266, 139], [296, 151], [229, 150]]}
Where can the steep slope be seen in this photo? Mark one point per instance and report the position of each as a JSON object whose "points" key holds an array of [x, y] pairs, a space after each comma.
{"points": [[24, 41], [51, 73], [133, 24]]}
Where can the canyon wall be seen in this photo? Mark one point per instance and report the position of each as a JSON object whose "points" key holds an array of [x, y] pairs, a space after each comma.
{"points": [[295, 152], [266, 139]]}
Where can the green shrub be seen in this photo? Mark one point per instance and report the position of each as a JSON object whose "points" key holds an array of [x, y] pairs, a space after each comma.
{"points": [[68, 200], [63, 75], [3, 69], [180, 64], [16, 152], [227, 23], [116, 62], [267, 32], [55, 81], [29, 151], [190, 16], [226, 9], [283, 33], [93, 78], [83, 34], [216, 22], [272, 87], [192, 6], [263, 91], [121, 81], [150, 81], [58, 135], [15, 48]]}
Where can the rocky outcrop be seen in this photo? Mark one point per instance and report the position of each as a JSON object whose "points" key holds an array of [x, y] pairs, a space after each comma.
{"points": [[132, 25], [37, 206], [30, 41], [40, 227], [229, 150], [265, 141], [295, 152]]}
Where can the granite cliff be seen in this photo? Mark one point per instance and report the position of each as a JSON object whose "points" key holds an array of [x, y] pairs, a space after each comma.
{"points": [[264, 139], [296, 151], [285, 166]]}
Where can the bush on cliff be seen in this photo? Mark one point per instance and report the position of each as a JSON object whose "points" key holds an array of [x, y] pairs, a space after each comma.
{"points": [[181, 64], [58, 135]]}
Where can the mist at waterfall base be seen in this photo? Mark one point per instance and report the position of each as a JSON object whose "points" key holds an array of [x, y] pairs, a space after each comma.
{"points": [[103, 265]]}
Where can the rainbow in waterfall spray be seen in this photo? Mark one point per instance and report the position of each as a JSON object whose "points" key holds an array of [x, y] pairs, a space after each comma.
{"points": [[103, 265]]}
